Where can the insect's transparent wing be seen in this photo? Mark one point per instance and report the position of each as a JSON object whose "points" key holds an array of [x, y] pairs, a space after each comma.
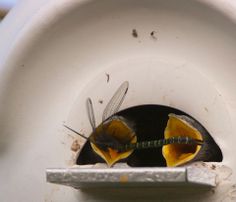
{"points": [[90, 112], [116, 101]]}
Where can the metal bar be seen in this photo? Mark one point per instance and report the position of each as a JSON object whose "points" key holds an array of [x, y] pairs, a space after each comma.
{"points": [[131, 177]]}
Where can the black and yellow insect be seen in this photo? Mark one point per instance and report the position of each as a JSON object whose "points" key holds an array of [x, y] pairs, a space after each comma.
{"points": [[146, 135]]}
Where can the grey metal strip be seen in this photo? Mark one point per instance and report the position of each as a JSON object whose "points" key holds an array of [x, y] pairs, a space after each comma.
{"points": [[131, 177]]}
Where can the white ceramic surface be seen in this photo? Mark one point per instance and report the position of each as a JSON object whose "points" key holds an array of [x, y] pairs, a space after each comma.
{"points": [[54, 54]]}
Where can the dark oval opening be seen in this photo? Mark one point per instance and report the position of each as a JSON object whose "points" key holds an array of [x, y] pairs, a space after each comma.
{"points": [[149, 123]]}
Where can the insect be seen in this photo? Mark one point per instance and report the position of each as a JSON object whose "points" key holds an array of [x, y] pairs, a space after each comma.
{"points": [[136, 136], [113, 130], [156, 143]]}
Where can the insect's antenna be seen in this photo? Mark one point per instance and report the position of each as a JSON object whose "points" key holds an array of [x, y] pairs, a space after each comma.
{"points": [[76, 132], [116, 101], [90, 112]]}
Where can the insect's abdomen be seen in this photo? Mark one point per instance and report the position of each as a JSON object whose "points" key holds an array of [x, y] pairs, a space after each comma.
{"points": [[161, 142]]}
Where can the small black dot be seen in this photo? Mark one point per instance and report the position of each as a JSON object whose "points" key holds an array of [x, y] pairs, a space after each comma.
{"points": [[134, 33]]}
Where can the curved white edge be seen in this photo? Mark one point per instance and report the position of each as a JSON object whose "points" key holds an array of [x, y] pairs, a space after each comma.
{"points": [[227, 7], [10, 27], [34, 16]]}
